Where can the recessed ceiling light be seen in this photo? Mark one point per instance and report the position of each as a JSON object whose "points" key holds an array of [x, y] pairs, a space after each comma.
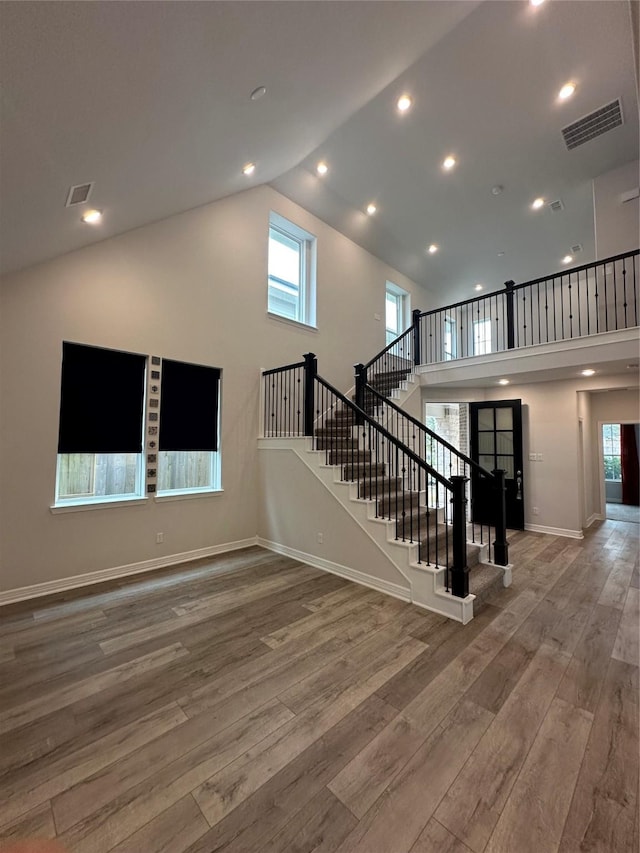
{"points": [[567, 259], [249, 169], [91, 217], [371, 209], [501, 254], [503, 381], [537, 203], [497, 189], [322, 168], [588, 372], [536, 2], [567, 90], [433, 249], [478, 287], [404, 103], [449, 162], [258, 93]]}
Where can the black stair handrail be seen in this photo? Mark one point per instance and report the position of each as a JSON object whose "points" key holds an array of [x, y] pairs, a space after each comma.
{"points": [[483, 472], [390, 346], [384, 432]]}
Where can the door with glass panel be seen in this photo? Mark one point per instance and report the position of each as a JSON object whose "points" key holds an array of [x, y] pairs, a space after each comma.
{"points": [[496, 442]]}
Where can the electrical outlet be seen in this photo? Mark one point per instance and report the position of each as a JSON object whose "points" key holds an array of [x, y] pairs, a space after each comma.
{"points": [[535, 510], [320, 538], [377, 317], [159, 538]]}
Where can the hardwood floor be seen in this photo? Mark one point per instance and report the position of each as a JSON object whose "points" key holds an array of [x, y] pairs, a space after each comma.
{"points": [[251, 703]]}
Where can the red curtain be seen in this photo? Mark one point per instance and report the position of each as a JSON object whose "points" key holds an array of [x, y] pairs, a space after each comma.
{"points": [[629, 454]]}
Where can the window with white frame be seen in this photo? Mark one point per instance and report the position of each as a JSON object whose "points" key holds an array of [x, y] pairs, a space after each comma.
{"points": [[481, 337], [611, 452], [189, 429], [396, 311], [291, 291], [449, 340], [100, 439]]}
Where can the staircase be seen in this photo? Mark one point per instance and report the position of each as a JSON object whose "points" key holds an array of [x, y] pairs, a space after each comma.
{"points": [[375, 459], [338, 438]]}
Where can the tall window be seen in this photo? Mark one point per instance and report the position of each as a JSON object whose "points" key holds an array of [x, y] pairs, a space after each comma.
{"points": [[101, 422], [611, 451], [291, 272], [396, 310], [450, 349], [481, 337]]}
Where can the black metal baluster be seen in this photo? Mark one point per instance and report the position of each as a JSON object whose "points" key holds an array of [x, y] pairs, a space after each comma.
{"points": [[570, 308], [624, 291]]}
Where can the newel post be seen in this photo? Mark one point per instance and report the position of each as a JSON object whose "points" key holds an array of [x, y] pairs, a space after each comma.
{"points": [[416, 336], [459, 570], [500, 546], [310, 373], [361, 381], [511, 342]]}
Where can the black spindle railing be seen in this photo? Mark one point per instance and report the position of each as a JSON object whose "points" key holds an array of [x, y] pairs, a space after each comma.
{"points": [[448, 461], [599, 297]]}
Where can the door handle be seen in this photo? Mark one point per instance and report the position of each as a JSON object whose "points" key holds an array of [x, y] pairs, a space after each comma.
{"points": [[518, 485]]}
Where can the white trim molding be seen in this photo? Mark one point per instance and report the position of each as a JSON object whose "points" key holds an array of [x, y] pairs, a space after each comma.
{"points": [[62, 584], [555, 531], [379, 584]]}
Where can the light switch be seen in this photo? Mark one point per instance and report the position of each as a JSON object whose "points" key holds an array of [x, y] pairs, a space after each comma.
{"points": [[539, 457], [532, 457]]}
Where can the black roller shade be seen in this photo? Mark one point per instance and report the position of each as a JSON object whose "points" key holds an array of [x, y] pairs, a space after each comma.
{"points": [[188, 406], [101, 401]]}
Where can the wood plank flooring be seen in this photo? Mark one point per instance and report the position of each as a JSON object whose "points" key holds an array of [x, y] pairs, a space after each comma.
{"points": [[252, 703]]}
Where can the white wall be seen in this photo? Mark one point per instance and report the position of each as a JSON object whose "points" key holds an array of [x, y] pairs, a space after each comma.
{"points": [[617, 225], [192, 287]]}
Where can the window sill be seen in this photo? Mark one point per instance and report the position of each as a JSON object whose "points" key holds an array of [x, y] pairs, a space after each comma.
{"points": [[296, 323], [82, 507], [186, 496]]}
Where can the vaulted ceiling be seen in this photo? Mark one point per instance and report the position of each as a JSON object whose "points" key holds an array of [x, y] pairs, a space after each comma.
{"points": [[151, 102]]}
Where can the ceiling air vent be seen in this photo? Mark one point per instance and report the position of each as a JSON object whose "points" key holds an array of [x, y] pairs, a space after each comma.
{"points": [[593, 125], [577, 248], [79, 194], [556, 206]]}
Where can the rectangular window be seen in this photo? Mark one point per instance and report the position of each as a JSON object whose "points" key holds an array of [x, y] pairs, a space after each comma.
{"points": [[450, 349], [611, 452], [189, 456], [396, 311], [291, 272], [481, 337], [101, 421]]}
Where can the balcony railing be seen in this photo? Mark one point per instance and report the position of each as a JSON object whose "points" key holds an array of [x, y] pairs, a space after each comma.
{"points": [[603, 296]]}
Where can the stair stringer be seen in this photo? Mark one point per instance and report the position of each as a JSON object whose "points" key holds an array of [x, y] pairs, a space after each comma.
{"points": [[426, 583]]}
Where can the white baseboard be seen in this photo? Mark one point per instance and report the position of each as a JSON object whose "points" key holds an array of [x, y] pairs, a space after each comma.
{"points": [[354, 575], [597, 516], [555, 531], [61, 585]]}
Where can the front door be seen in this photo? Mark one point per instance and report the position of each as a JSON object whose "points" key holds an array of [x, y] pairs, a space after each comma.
{"points": [[496, 442]]}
